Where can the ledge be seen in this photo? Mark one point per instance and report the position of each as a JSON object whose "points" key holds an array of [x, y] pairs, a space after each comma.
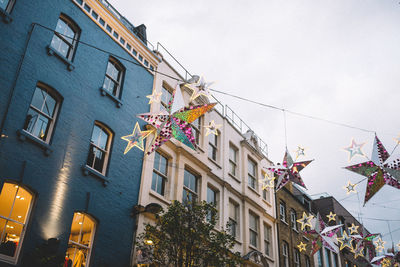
{"points": [[104, 92], [159, 197], [234, 177], [52, 52], [252, 189], [6, 17], [215, 163], [23, 135], [89, 171]]}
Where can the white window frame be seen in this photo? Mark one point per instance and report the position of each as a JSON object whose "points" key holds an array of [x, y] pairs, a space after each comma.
{"points": [[9, 6], [72, 43], [213, 148], [5, 258], [285, 254], [165, 89], [252, 176], [194, 193], [234, 218], [121, 69], [293, 219], [282, 211], [196, 127], [163, 176], [105, 151], [267, 239], [233, 162], [254, 231], [296, 258]]}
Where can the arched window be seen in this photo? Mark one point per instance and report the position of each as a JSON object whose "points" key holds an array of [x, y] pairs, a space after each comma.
{"points": [[65, 37], [99, 150], [42, 113], [7, 5], [80, 241], [15, 207], [114, 77]]}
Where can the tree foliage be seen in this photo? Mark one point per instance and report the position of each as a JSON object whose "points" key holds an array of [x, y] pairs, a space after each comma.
{"points": [[184, 236]]}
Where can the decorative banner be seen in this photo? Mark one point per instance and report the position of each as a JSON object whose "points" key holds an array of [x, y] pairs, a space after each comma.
{"points": [[175, 121], [199, 87], [212, 128], [136, 138], [289, 171], [381, 170], [354, 149]]}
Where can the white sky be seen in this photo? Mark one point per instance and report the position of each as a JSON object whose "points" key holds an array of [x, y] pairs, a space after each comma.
{"points": [[334, 59]]}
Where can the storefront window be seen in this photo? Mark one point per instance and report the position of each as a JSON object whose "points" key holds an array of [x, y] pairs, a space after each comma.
{"points": [[80, 240], [15, 205]]}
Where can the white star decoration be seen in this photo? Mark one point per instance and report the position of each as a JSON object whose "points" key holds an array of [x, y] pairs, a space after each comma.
{"points": [[154, 97], [212, 128], [350, 188], [354, 149], [379, 244], [200, 87], [267, 181]]}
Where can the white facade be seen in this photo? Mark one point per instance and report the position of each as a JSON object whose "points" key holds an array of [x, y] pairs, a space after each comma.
{"points": [[231, 190]]}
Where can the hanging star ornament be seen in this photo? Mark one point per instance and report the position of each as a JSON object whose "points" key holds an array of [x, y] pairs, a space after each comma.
{"points": [[350, 188], [154, 97], [305, 221], [299, 152], [267, 181], [212, 128], [136, 138], [199, 87], [353, 229], [397, 139], [382, 169], [345, 241], [358, 249], [289, 171], [354, 149], [322, 235], [331, 216], [175, 121], [398, 246], [301, 246], [379, 244]]}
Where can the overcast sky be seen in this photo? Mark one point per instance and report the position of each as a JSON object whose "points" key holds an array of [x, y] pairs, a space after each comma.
{"points": [[334, 59]]}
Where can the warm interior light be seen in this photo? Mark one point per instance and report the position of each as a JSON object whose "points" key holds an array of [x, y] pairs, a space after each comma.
{"points": [[19, 216], [22, 198], [80, 222], [18, 196], [148, 242]]}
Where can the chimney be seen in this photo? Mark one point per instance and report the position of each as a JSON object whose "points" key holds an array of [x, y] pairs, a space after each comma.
{"points": [[141, 33]]}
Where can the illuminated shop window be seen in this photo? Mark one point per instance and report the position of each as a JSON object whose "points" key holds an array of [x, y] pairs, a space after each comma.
{"points": [[80, 240], [15, 207]]}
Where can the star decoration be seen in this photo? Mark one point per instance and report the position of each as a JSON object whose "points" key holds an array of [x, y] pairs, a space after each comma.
{"points": [[345, 241], [175, 121], [212, 128], [289, 171], [267, 181], [398, 246], [354, 149], [381, 170], [350, 188], [301, 246], [199, 87], [322, 236], [331, 216], [379, 244], [305, 221], [358, 249], [300, 151], [386, 262], [154, 97], [397, 139], [136, 138], [353, 229]]}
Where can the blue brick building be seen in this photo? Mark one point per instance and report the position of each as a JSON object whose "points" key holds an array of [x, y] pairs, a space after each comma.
{"points": [[66, 98]]}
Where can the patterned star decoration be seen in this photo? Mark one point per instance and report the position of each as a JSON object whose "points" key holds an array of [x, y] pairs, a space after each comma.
{"points": [[353, 229], [136, 138], [331, 216], [301, 246], [154, 97], [358, 249], [381, 170], [289, 171], [379, 244], [354, 149], [175, 121], [212, 128], [300, 151], [199, 87], [345, 241], [350, 188], [267, 181], [305, 221]]}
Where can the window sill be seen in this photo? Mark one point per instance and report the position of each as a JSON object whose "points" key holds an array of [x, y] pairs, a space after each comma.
{"points": [[52, 52], [295, 230], [89, 171], [215, 163], [252, 189], [269, 257], [23, 135], [104, 92], [284, 222], [6, 17], [253, 247], [159, 197], [234, 177], [267, 202]]}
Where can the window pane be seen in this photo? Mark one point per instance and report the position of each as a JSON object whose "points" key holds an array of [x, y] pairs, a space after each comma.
{"points": [[21, 206], [60, 46], [253, 238], [7, 197], [163, 167], [165, 96], [3, 4], [157, 161], [11, 237], [211, 196], [112, 71], [232, 154], [38, 98], [102, 141], [49, 105]]}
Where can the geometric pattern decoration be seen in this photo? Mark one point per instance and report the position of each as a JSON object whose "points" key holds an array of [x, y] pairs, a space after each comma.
{"points": [[380, 170]]}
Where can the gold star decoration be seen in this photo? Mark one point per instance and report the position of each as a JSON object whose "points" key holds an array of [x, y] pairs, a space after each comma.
{"points": [[212, 128], [267, 181], [345, 241], [305, 221], [301, 246], [358, 250], [154, 97], [350, 188], [331, 216], [300, 151], [379, 244], [136, 138], [397, 139], [353, 229], [398, 245], [386, 262]]}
